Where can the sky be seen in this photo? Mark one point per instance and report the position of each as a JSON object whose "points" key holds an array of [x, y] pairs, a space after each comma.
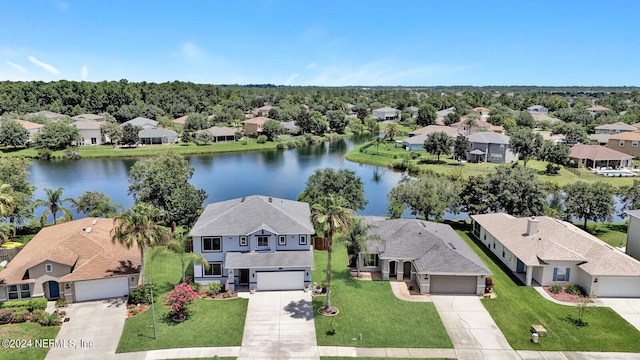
{"points": [[324, 43]]}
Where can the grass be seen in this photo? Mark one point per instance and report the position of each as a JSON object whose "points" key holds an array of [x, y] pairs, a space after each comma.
{"points": [[387, 154], [26, 331], [517, 307], [369, 358], [614, 234], [212, 323], [370, 308]]}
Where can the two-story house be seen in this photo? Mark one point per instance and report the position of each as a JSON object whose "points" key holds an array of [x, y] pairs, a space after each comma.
{"points": [[386, 113], [256, 241], [253, 127], [615, 128], [490, 147]]}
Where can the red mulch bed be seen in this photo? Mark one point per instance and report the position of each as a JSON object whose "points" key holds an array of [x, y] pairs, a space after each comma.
{"points": [[562, 296], [220, 296], [141, 309]]}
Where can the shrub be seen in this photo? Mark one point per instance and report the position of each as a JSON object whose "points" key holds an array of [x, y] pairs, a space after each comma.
{"points": [[555, 288], [574, 289], [179, 299], [19, 316], [5, 316], [140, 296], [37, 316], [244, 142], [261, 139], [333, 327], [50, 320], [44, 154], [281, 146], [30, 305], [214, 288], [61, 303], [488, 285], [72, 154], [134, 311]]}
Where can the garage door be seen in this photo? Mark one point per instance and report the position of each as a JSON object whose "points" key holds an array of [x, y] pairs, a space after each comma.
{"points": [[610, 286], [284, 280], [441, 284], [102, 288]]}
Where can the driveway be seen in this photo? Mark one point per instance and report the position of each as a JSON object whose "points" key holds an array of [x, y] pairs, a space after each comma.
{"points": [[472, 330], [628, 309], [93, 331], [279, 325]]}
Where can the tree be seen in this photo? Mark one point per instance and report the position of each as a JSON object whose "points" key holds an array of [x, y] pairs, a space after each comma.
{"points": [[525, 119], [573, 133], [356, 126], [204, 136], [113, 132], [475, 195], [393, 129], [331, 214], [163, 181], [13, 134], [15, 172], [427, 115], [139, 226], [554, 153], [438, 143], [303, 121], [7, 202], [358, 238], [337, 120], [6, 231], [272, 129], [96, 204], [630, 196], [195, 122], [589, 201], [54, 204], [372, 124], [461, 147], [451, 118], [341, 182], [178, 245], [427, 195], [56, 135], [362, 112], [130, 134], [318, 124], [515, 190], [525, 143]]}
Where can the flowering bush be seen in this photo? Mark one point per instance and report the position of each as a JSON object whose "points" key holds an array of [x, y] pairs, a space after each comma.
{"points": [[179, 300]]}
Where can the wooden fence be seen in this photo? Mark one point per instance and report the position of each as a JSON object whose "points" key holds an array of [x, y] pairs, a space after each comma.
{"points": [[9, 254]]}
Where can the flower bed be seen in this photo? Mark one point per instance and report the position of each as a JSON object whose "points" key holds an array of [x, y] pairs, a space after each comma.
{"points": [[562, 295]]}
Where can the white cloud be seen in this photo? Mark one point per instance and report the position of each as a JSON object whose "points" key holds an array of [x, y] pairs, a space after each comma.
{"points": [[311, 65], [191, 51], [43, 65], [17, 67], [84, 72], [290, 79]]}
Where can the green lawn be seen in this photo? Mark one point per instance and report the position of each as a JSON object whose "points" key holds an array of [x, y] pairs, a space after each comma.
{"points": [[370, 308], [26, 331], [614, 234], [517, 307], [370, 358], [212, 322]]}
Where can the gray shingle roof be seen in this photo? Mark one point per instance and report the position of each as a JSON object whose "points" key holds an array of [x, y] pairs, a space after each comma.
{"points": [[140, 121], [616, 126], [157, 133], [434, 248], [488, 137], [244, 215], [278, 259]]}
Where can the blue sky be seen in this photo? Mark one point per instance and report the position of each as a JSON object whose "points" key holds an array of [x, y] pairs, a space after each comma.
{"points": [[324, 43]]}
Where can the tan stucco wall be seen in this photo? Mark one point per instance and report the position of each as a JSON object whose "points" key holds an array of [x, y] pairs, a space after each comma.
{"points": [[41, 276], [627, 148]]}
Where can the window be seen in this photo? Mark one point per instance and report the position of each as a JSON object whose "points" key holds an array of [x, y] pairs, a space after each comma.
{"points": [[48, 268], [94, 141], [24, 291], [494, 244], [214, 270], [501, 147], [621, 143], [263, 241], [243, 241], [303, 239], [13, 292], [561, 274], [503, 253], [282, 240], [496, 157], [370, 260], [211, 244], [634, 143], [485, 237]]}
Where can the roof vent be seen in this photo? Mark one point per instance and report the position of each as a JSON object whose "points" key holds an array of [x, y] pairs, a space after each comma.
{"points": [[452, 246], [242, 199], [270, 199], [94, 221], [88, 230]]}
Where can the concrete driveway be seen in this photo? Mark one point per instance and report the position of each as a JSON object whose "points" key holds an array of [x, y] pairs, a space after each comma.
{"points": [[93, 331], [472, 330], [279, 325]]}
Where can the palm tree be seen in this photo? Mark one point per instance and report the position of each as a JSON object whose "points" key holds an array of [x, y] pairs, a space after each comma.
{"points": [[53, 202], [7, 201], [359, 237], [7, 230], [331, 215], [393, 129], [178, 245], [139, 226], [377, 141]]}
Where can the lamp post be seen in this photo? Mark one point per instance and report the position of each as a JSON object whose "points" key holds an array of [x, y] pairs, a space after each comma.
{"points": [[153, 308]]}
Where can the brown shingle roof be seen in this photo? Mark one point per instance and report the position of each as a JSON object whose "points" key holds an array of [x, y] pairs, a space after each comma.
{"points": [[260, 120], [92, 253], [597, 108], [181, 120], [28, 124], [430, 129], [560, 241], [616, 126], [629, 135], [596, 152]]}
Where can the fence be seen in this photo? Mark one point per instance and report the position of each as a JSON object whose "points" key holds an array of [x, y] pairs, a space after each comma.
{"points": [[573, 171], [9, 254]]}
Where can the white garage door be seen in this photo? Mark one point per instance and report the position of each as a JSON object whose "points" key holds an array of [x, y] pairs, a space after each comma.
{"points": [[610, 286], [102, 288], [442, 284], [283, 280]]}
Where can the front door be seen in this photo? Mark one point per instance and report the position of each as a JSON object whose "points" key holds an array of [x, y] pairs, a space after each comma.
{"points": [[407, 270], [520, 266], [392, 268], [244, 276], [54, 290]]}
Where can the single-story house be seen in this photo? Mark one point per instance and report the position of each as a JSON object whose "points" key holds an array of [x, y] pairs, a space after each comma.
{"points": [[415, 143], [31, 127], [540, 116], [91, 117], [386, 113], [289, 127], [548, 251], [599, 139], [615, 128], [537, 109], [89, 132], [157, 136], [490, 147], [262, 110], [413, 110], [592, 156], [49, 115], [76, 261], [180, 121], [221, 133], [596, 109], [142, 122], [481, 110], [626, 142], [430, 129], [440, 115], [431, 254], [255, 241], [253, 126]]}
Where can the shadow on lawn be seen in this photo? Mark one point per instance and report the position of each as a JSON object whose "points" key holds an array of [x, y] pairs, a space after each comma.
{"points": [[300, 310]]}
